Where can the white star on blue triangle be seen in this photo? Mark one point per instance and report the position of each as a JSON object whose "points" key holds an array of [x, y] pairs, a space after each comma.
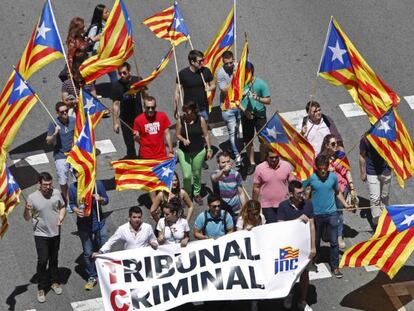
{"points": [[93, 105], [178, 23], [229, 38], [20, 89], [274, 132], [402, 216], [84, 140], [165, 171], [127, 19], [385, 127], [46, 33], [12, 185], [335, 55]]}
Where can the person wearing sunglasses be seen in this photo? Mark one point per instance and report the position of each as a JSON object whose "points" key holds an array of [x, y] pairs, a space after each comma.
{"points": [[338, 163], [195, 81], [60, 134], [126, 107]]}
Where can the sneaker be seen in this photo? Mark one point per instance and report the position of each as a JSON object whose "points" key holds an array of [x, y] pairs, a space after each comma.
{"points": [[69, 209], [251, 169], [337, 273], [57, 288], [90, 284], [204, 166], [341, 242], [238, 161], [287, 302], [198, 199], [313, 267], [41, 296], [304, 306]]}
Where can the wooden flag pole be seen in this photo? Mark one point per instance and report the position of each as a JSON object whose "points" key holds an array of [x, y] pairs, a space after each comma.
{"points": [[180, 91], [235, 29]]}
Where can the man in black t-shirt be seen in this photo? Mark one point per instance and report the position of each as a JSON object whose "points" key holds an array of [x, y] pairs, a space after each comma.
{"points": [[296, 207], [126, 107], [374, 170], [196, 82]]}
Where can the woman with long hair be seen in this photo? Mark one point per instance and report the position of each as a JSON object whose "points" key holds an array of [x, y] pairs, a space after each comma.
{"points": [[250, 216], [338, 163], [76, 40], [172, 229], [177, 195], [192, 134]]}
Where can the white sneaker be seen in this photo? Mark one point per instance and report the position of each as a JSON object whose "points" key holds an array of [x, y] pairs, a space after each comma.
{"points": [[304, 307], [341, 242], [287, 302]]}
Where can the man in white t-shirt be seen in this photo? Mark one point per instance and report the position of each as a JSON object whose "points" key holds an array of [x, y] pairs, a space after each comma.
{"points": [[133, 234], [316, 126]]}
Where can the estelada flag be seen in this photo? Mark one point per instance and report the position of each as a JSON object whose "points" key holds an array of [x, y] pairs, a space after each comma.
{"points": [[9, 197], [147, 175], [116, 45]]}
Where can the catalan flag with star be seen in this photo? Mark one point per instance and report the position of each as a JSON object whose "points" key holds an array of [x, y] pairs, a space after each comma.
{"points": [[287, 142], [82, 157], [222, 42], [391, 140], [116, 45], [9, 197], [288, 252], [390, 246], [342, 65], [13, 111], [169, 25], [137, 86], [147, 175]]}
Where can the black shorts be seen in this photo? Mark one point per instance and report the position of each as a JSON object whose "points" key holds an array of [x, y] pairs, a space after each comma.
{"points": [[250, 126]]}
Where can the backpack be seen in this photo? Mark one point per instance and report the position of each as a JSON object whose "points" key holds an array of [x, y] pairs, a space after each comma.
{"points": [[207, 220]]}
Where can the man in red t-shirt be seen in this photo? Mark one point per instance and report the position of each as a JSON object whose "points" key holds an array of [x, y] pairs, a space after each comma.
{"points": [[151, 130]]}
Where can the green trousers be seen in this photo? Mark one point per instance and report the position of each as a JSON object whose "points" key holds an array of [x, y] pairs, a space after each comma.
{"points": [[191, 167]]}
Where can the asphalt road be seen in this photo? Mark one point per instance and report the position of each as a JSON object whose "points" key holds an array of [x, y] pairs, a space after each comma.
{"points": [[286, 40]]}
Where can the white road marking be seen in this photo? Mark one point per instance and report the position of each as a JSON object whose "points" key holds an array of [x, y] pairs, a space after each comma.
{"points": [[295, 117], [35, 159], [95, 304], [351, 110], [410, 101], [371, 268], [220, 131], [323, 273], [105, 146]]}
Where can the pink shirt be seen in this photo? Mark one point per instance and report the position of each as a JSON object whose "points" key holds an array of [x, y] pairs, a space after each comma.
{"points": [[340, 173], [273, 183]]}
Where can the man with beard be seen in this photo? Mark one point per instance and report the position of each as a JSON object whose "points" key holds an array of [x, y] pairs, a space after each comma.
{"points": [[231, 117], [151, 130], [324, 188], [270, 183], [46, 208], [126, 107]]}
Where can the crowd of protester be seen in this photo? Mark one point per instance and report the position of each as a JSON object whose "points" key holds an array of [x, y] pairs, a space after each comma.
{"points": [[276, 196]]}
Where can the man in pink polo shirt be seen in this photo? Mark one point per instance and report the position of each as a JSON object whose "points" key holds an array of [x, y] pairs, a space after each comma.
{"points": [[270, 183]]}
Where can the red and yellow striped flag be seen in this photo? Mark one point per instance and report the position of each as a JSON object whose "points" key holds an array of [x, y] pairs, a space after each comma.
{"points": [[236, 88], [388, 249], [9, 197], [287, 142], [342, 65], [115, 46], [223, 41], [169, 25], [147, 175]]}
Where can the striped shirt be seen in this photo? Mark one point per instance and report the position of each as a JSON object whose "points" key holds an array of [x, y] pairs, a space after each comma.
{"points": [[227, 189]]}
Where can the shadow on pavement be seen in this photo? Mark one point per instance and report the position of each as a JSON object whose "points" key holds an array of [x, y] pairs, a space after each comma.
{"points": [[372, 297], [34, 146], [11, 299]]}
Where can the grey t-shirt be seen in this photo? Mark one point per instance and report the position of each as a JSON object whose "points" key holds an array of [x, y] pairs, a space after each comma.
{"points": [[46, 213], [223, 80]]}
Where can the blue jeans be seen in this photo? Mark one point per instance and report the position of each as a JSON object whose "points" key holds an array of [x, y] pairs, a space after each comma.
{"points": [[331, 221], [204, 114], [91, 241], [339, 205], [113, 77], [232, 118]]}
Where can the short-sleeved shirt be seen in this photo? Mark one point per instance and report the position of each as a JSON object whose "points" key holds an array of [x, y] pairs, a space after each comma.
{"points": [[374, 163], [287, 211], [64, 140], [214, 227], [151, 133], [227, 189], [174, 233], [315, 133], [323, 193], [261, 88], [273, 182], [46, 213], [130, 105], [223, 81], [193, 86], [240, 223]]}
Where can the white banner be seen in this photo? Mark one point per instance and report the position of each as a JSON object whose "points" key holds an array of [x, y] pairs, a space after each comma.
{"points": [[259, 264]]}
